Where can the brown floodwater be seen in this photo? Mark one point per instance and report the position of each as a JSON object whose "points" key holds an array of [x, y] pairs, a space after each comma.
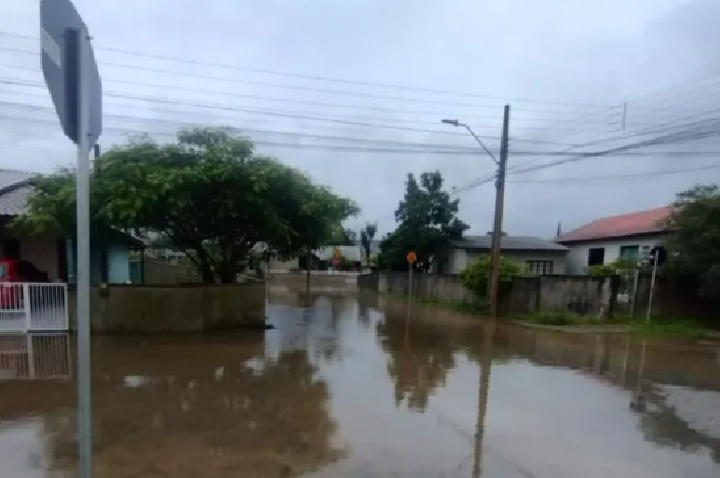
{"points": [[363, 387]]}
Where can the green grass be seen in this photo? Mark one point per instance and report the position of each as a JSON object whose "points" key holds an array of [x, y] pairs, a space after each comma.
{"points": [[659, 325], [662, 326]]}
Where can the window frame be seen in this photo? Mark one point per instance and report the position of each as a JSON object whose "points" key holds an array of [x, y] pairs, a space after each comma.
{"points": [[540, 267]]}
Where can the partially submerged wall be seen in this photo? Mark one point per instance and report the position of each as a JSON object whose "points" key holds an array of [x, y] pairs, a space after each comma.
{"points": [[173, 308]]}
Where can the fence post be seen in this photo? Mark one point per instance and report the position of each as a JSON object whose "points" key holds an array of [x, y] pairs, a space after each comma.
{"points": [[26, 306], [633, 299], [66, 306]]}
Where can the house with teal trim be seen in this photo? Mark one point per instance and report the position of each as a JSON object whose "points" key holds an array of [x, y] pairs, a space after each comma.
{"points": [[55, 254]]}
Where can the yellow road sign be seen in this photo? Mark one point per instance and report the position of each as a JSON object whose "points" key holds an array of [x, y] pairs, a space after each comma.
{"points": [[411, 257]]}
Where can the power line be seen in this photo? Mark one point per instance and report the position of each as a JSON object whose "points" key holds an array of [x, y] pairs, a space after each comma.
{"points": [[666, 139], [642, 132], [618, 176], [435, 114], [420, 148], [273, 113], [298, 87], [320, 78]]}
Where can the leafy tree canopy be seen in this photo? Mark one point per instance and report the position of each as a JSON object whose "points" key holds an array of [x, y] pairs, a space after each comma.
{"points": [[694, 248], [612, 267], [366, 237], [474, 276], [427, 220], [208, 193]]}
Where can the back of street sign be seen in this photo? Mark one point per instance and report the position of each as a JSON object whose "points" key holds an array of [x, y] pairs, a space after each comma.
{"points": [[67, 67]]}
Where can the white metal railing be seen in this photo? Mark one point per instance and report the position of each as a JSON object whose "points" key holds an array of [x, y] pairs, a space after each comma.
{"points": [[31, 356], [27, 307]]}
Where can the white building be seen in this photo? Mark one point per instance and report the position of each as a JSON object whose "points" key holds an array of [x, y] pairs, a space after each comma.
{"points": [[628, 236], [539, 256]]}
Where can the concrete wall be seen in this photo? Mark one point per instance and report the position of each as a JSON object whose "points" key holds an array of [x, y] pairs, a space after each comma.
{"points": [[585, 295], [319, 281], [577, 259], [678, 297], [459, 258], [278, 265], [143, 308], [593, 296], [440, 287]]}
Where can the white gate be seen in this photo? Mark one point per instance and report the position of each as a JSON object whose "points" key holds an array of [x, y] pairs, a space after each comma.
{"points": [[28, 307], [626, 287]]}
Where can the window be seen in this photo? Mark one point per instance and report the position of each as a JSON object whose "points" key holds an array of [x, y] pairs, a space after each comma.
{"points": [[631, 253], [540, 267], [596, 256]]}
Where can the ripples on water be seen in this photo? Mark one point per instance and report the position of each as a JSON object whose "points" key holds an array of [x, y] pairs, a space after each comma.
{"points": [[364, 387]]}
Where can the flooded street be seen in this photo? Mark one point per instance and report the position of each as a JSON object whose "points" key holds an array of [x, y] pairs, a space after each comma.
{"points": [[358, 387]]}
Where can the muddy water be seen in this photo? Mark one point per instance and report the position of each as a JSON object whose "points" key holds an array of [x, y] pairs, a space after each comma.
{"points": [[362, 387]]}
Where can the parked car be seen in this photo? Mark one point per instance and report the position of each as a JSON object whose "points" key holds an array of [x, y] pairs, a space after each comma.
{"points": [[13, 271]]}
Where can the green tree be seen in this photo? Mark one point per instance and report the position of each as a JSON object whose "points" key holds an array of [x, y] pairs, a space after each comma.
{"points": [[427, 220], [612, 267], [342, 237], [694, 246], [208, 194], [474, 276], [366, 237]]}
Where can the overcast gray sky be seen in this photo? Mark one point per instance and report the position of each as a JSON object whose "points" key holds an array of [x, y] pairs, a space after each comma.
{"points": [[565, 66]]}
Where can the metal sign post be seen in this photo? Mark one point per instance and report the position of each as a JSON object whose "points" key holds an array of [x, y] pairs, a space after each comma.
{"points": [[411, 258], [72, 77], [83, 261], [655, 261]]}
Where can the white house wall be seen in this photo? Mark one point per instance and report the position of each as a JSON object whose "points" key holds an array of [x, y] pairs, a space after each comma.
{"points": [[577, 259], [460, 257]]}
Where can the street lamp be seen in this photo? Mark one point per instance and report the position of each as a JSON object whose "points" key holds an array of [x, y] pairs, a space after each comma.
{"points": [[494, 282], [455, 122]]}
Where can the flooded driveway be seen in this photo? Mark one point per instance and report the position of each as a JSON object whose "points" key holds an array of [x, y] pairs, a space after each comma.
{"points": [[360, 387]]}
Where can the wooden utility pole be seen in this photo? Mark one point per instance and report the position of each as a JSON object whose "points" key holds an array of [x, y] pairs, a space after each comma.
{"points": [[499, 207]]}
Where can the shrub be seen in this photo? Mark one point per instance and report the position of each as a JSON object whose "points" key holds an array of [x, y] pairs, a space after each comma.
{"points": [[474, 276], [612, 268]]}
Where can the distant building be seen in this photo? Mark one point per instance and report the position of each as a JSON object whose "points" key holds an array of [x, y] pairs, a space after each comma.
{"points": [[55, 253], [604, 240], [538, 256]]}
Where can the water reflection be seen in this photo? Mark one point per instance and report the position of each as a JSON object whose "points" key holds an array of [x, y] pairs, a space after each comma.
{"points": [[34, 356], [365, 386], [181, 407], [420, 352]]}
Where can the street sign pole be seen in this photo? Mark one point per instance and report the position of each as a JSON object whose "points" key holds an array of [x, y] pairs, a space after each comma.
{"points": [[655, 260], [73, 81], [410, 279], [82, 44]]}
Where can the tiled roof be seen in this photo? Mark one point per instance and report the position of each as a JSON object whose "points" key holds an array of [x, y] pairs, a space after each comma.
{"points": [[509, 243], [14, 191], [14, 202], [9, 177], [643, 222]]}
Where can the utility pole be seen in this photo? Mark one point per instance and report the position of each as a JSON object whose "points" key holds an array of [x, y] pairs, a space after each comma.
{"points": [[494, 285]]}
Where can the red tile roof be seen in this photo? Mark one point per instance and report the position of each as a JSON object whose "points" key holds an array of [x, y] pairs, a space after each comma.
{"points": [[618, 226]]}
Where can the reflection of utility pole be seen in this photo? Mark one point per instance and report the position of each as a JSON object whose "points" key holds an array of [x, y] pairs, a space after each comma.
{"points": [[637, 403], [483, 391]]}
